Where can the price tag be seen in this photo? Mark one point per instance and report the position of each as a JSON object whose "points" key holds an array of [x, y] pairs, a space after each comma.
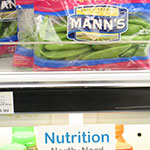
{"points": [[6, 103]]}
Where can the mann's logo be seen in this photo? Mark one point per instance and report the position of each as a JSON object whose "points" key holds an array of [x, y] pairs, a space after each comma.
{"points": [[7, 4], [99, 22]]}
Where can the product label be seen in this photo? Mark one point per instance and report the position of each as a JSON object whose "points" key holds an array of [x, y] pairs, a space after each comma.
{"points": [[7, 10], [6, 103], [47, 6], [24, 2], [86, 137], [97, 22]]}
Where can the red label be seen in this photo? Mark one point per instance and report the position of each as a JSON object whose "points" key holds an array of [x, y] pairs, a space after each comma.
{"points": [[7, 49], [24, 2], [129, 65], [59, 5], [22, 61]]}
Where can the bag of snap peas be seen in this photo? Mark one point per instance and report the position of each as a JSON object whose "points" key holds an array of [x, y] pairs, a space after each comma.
{"points": [[87, 26], [8, 26], [23, 56]]}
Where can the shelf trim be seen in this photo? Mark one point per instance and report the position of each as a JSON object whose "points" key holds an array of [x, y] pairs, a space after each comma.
{"points": [[75, 79]]}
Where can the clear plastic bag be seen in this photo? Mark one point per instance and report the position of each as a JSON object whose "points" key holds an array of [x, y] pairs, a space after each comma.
{"points": [[8, 26], [90, 20], [23, 56]]}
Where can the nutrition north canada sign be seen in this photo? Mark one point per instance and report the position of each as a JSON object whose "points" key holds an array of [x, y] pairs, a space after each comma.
{"points": [[86, 137]]}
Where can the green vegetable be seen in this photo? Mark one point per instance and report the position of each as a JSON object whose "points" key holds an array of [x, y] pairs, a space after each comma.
{"points": [[129, 53], [64, 54], [71, 58], [62, 29], [13, 28], [37, 50], [139, 21], [127, 38], [99, 47], [103, 47], [70, 52], [62, 36], [132, 29], [1, 29], [79, 57], [142, 50], [1, 25], [57, 47], [113, 52], [8, 29], [142, 37], [43, 29]]}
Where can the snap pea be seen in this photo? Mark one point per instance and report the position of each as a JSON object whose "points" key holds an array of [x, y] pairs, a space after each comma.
{"points": [[113, 52], [49, 33], [37, 51], [141, 37], [99, 47], [132, 29], [62, 36], [71, 58], [79, 57], [138, 38], [146, 37], [103, 47], [141, 52], [62, 29], [60, 24], [139, 21], [57, 47], [64, 54], [127, 38], [38, 48], [129, 53]]}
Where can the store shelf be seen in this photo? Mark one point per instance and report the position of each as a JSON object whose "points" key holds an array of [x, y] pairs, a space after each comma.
{"points": [[13, 77], [78, 91], [75, 79], [75, 91]]}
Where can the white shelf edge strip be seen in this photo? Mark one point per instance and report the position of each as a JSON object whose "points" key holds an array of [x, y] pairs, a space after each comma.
{"points": [[65, 85], [75, 79]]}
